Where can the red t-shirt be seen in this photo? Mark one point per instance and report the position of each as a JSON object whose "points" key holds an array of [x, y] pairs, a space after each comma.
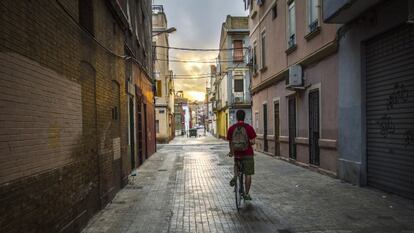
{"points": [[250, 133]]}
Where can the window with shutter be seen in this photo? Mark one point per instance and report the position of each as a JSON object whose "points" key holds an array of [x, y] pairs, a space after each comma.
{"points": [[313, 15], [291, 25], [238, 51], [159, 88], [238, 85]]}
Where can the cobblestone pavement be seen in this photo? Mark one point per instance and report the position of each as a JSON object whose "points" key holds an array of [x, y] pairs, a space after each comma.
{"points": [[184, 188]]}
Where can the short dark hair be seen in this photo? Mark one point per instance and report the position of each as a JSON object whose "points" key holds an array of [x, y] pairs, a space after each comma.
{"points": [[240, 114]]}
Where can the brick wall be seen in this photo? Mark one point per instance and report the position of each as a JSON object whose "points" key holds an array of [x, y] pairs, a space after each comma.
{"points": [[42, 126], [58, 164]]}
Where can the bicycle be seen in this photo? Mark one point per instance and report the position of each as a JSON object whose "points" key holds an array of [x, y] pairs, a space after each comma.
{"points": [[239, 185]]}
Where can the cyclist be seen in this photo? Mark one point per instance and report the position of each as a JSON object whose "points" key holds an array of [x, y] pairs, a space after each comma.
{"points": [[241, 138]]}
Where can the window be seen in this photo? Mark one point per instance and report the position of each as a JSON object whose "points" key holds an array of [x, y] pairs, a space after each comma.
{"points": [[128, 13], [291, 24], [157, 126], [313, 15], [263, 57], [254, 57], [115, 100], [256, 121], [154, 51], [86, 15], [238, 85], [128, 67], [159, 88], [238, 51], [274, 11]]}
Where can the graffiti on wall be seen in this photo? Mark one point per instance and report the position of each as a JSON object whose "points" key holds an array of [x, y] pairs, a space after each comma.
{"points": [[409, 137], [386, 125], [399, 95]]}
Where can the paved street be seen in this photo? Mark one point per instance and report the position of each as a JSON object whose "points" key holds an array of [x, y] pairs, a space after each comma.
{"points": [[184, 188]]}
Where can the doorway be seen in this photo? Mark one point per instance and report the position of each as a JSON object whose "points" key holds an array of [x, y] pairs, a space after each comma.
{"points": [[131, 131], [314, 127], [140, 131], [265, 142], [292, 127], [277, 127], [145, 132]]}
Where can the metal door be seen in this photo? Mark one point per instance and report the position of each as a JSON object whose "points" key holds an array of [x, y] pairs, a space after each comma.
{"points": [[277, 126], [389, 90], [140, 131], [292, 127], [145, 131], [131, 132], [265, 142], [314, 127]]}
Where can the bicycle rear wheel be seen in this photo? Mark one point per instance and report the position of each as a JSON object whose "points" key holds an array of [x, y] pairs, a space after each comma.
{"points": [[238, 191]]}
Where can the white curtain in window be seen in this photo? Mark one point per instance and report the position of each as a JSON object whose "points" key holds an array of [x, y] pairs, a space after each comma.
{"points": [[292, 20], [313, 9], [263, 62]]}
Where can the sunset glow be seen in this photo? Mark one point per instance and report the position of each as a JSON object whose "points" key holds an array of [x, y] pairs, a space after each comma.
{"points": [[195, 95]]}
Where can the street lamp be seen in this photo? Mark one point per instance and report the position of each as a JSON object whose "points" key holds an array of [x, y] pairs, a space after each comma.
{"points": [[168, 30]]}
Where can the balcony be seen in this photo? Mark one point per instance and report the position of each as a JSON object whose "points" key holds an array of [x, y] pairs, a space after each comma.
{"points": [[344, 11], [218, 105], [156, 9], [239, 98]]}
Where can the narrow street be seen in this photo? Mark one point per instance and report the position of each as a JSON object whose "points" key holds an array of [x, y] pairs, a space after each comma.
{"points": [[184, 188]]}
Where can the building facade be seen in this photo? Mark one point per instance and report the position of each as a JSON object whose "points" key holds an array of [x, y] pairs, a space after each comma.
{"points": [[66, 89], [211, 98], [164, 98], [138, 48], [294, 85], [232, 81], [180, 117], [376, 92]]}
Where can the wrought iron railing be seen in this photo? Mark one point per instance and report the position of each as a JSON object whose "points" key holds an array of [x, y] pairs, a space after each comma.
{"points": [[313, 26], [292, 41]]}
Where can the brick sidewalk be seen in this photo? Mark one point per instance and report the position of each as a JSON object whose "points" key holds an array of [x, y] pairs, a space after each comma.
{"points": [[184, 188]]}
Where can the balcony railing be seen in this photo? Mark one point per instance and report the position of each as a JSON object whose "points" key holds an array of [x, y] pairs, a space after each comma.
{"points": [[157, 9], [313, 26], [218, 104], [292, 41], [239, 98]]}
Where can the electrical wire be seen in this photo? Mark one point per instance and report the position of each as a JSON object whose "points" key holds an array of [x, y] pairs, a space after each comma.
{"points": [[197, 49], [191, 75], [195, 79], [193, 61]]}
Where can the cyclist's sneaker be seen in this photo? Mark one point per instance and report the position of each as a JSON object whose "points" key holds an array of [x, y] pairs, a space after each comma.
{"points": [[247, 197], [233, 182]]}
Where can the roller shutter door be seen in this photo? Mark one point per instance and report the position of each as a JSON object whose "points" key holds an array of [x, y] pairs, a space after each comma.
{"points": [[390, 111]]}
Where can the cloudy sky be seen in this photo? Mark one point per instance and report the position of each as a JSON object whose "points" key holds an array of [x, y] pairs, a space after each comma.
{"points": [[198, 24]]}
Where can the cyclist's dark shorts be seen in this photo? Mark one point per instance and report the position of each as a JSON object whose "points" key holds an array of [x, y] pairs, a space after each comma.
{"points": [[248, 164]]}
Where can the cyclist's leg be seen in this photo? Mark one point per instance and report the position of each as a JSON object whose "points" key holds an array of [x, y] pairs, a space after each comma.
{"points": [[248, 183], [235, 172], [248, 163], [236, 168]]}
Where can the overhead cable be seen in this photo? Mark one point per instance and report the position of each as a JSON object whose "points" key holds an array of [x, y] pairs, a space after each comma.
{"points": [[198, 49]]}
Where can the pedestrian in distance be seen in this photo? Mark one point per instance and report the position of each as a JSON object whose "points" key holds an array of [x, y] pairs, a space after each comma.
{"points": [[241, 137]]}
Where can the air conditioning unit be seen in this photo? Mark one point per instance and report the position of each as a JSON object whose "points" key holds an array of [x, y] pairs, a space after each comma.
{"points": [[295, 79]]}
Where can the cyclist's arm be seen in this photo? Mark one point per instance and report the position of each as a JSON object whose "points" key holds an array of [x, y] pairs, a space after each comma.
{"points": [[230, 145]]}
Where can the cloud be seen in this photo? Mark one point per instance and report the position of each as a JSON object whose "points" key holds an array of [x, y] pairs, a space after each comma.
{"points": [[198, 24]]}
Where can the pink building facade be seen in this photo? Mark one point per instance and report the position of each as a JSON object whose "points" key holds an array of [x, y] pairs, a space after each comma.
{"points": [[294, 121]]}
